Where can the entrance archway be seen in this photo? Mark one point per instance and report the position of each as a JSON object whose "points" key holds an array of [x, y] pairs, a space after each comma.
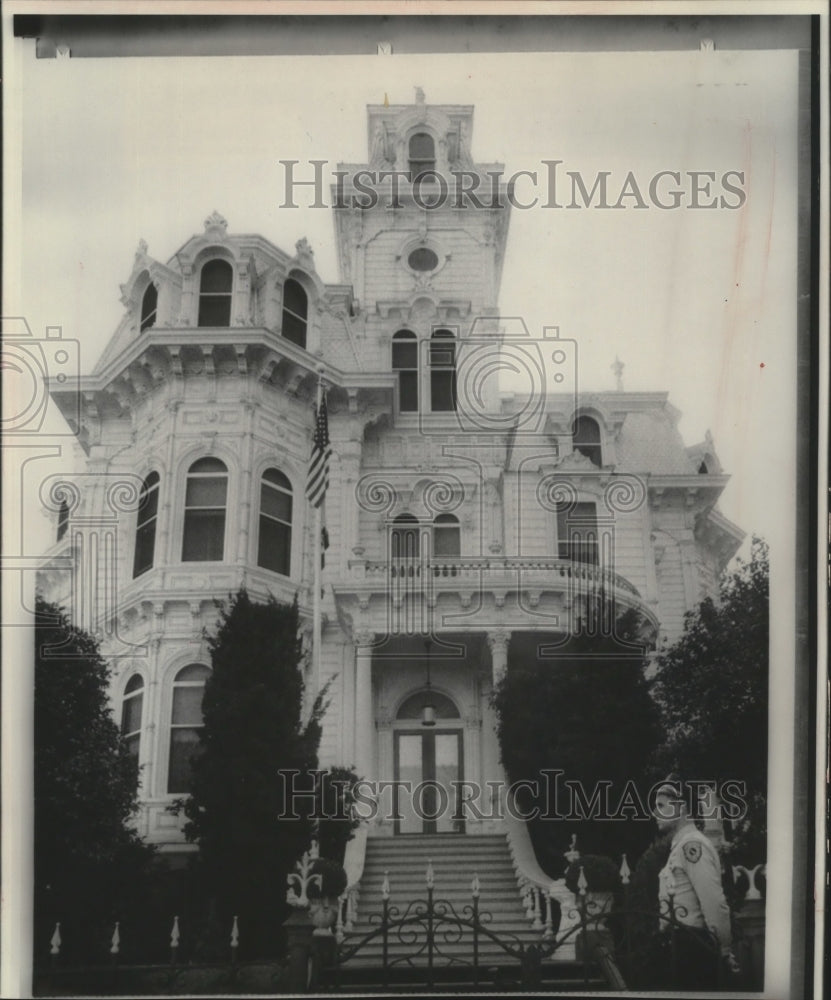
{"points": [[428, 766]]}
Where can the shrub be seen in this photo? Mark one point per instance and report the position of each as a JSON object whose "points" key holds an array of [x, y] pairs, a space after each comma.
{"points": [[336, 819], [601, 873]]}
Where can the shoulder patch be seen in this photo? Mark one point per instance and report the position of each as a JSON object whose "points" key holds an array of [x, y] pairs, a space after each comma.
{"points": [[692, 851]]}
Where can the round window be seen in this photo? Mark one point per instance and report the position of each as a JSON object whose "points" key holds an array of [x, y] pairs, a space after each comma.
{"points": [[423, 259]]}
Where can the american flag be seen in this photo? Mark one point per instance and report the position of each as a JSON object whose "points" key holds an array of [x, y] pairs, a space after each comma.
{"points": [[317, 479]]}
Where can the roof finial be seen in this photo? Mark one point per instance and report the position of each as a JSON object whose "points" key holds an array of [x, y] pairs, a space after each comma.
{"points": [[215, 224], [419, 94], [617, 368], [305, 254]]}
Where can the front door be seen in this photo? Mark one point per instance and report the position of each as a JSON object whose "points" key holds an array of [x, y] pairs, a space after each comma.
{"points": [[428, 769]]}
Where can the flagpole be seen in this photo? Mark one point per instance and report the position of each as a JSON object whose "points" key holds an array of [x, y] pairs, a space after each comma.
{"points": [[318, 530]]}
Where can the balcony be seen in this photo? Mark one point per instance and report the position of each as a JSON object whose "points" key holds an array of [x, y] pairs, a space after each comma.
{"points": [[522, 592], [460, 569]]}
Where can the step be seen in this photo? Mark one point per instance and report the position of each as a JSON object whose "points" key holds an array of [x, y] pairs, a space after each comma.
{"points": [[454, 861], [559, 977]]}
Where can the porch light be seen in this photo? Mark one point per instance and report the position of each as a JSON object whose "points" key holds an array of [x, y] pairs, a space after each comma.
{"points": [[428, 713]]}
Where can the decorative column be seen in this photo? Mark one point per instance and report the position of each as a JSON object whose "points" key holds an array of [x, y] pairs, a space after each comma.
{"points": [[498, 640], [364, 721], [688, 551], [350, 459]]}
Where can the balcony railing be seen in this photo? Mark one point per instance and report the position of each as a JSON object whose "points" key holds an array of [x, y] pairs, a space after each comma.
{"points": [[473, 569]]}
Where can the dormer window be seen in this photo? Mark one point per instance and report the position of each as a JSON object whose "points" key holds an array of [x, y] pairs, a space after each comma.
{"points": [[215, 293], [295, 312], [586, 439], [148, 308], [422, 155]]}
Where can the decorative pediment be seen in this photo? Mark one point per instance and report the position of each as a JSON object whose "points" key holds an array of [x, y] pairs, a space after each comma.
{"points": [[704, 458], [133, 288]]}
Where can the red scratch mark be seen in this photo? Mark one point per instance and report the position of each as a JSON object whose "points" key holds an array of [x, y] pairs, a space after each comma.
{"points": [[762, 364]]}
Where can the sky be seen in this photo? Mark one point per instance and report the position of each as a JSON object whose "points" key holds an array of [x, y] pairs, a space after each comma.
{"points": [[696, 302]]}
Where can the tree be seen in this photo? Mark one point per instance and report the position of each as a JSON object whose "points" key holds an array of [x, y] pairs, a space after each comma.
{"points": [[712, 688], [89, 861], [586, 713], [240, 812]]}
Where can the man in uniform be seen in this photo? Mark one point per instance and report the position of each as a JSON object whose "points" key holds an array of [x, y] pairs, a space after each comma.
{"points": [[690, 894]]}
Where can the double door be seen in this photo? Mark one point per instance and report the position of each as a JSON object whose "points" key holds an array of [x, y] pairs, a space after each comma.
{"points": [[428, 771]]}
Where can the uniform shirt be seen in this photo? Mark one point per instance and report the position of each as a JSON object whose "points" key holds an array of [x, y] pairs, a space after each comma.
{"points": [[692, 875]]}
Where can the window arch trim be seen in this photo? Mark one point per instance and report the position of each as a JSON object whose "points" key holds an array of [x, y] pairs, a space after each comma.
{"points": [[147, 519], [148, 311], [295, 313], [215, 303], [447, 537], [132, 712], [183, 727], [442, 357], [404, 361], [589, 428], [205, 509], [413, 705], [275, 521], [421, 152], [405, 537]]}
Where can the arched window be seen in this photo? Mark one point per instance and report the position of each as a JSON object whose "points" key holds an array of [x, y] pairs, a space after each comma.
{"points": [[422, 154], [442, 371], [446, 536], [295, 312], [274, 547], [413, 707], [185, 724], [148, 307], [405, 362], [146, 525], [131, 708], [215, 293], [586, 435], [203, 539], [63, 519], [405, 537]]}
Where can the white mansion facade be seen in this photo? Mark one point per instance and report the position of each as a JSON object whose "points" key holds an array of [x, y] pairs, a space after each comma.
{"points": [[467, 526]]}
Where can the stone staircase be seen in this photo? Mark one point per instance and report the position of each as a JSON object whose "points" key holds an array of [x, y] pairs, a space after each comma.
{"points": [[455, 861]]}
